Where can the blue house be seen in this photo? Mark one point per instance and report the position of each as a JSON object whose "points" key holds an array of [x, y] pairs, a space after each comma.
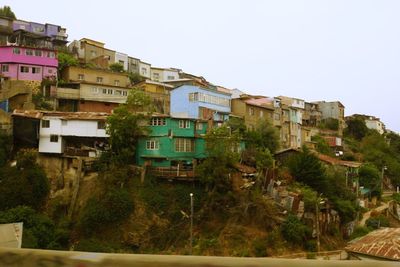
{"points": [[194, 102]]}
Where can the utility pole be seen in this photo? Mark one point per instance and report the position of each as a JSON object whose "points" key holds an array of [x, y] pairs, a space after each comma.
{"points": [[382, 176], [191, 223], [317, 203]]}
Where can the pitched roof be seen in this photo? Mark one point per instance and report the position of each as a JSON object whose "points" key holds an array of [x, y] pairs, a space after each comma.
{"points": [[335, 161], [382, 243]]}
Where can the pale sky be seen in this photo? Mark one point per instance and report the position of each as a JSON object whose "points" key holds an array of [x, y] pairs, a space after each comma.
{"points": [[346, 50]]}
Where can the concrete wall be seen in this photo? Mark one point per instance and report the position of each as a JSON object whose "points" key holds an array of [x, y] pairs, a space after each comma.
{"points": [[71, 74], [122, 58], [144, 69]]}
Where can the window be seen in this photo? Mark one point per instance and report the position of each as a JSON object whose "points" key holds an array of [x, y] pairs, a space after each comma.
{"points": [[16, 51], [193, 97], [184, 145], [4, 68], [24, 69], [251, 111], [64, 123], [171, 78], [184, 124], [116, 82], [99, 79], [38, 29], [28, 52], [51, 54], [144, 71], [199, 126], [104, 91], [93, 53], [101, 125], [125, 93], [36, 70], [110, 91], [118, 92], [38, 53], [95, 90], [121, 62], [81, 77], [152, 145], [54, 138], [45, 124], [156, 76], [50, 71], [157, 122]]}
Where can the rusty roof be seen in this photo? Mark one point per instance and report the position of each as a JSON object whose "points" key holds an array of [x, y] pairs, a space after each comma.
{"points": [[39, 114], [335, 161], [382, 243]]}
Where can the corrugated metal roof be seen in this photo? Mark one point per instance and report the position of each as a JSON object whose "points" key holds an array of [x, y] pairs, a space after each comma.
{"points": [[39, 114], [335, 161], [382, 243]]}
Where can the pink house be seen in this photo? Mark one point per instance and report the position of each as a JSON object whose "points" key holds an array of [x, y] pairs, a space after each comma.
{"points": [[24, 63]]}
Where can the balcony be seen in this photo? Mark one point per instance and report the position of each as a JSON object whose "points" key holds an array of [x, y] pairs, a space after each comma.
{"points": [[68, 93], [173, 173]]}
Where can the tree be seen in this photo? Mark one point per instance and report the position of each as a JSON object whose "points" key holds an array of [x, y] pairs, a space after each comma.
{"points": [[307, 169], [6, 11], [221, 158], [127, 124], [265, 136], [135, 78], [117, 67], [356, 128], [65, 60], [370, 178]]}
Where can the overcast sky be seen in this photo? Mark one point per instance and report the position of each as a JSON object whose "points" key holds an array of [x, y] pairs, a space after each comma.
{"points": [[346, 50]]}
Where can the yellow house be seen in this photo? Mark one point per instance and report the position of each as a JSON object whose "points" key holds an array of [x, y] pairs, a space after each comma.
{"points": [[159, 93], [96, 76], [253, 110]]}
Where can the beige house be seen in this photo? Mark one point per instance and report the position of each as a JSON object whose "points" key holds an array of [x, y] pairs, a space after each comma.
{"points": [[253, 110], [93, 90], [332, 110], [96, 76], [93, 52]]}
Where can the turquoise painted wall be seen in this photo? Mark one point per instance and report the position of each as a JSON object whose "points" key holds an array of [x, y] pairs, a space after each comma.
{"points": [[166, 136]]}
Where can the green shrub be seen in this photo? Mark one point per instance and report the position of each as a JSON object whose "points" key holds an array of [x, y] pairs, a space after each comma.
{"points": [[376, 222], [113, 207], [260, 247], [293, 230], [26, 184], [359, 232], [39, 230]]}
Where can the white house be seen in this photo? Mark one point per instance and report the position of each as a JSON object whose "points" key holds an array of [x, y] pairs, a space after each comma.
{"points": [[375, 124], [70, 133]]}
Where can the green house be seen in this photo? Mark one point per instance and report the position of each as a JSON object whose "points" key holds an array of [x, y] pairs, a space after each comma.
{"points": [[172, 143]]}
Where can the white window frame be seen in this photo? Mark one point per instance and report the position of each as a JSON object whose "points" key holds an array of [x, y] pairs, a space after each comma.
{"points": [[152, 145], [184, 124], [184, 145]]}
